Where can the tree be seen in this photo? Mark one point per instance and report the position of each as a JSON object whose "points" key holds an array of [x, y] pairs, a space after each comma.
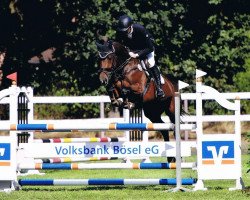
{"points": [[212, 35]]}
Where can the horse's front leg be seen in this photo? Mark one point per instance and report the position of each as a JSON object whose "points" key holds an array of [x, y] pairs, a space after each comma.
{"points": [[114, 97], [127, 104], [114, 101]]}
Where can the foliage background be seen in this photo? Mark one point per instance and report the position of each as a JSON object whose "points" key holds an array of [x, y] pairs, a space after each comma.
{"points": [[212, 35]]}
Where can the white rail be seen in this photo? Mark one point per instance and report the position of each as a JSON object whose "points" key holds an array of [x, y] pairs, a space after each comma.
{"points": [[105, 99], [192, 96]]}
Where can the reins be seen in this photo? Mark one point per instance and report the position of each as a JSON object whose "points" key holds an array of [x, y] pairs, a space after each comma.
{"points": [[122, 65]]}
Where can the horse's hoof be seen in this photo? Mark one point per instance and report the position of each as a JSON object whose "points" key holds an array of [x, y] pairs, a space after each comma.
{"points": [[119, 102], [125, 106], [116, 103], [131, 105], [171, 159]]}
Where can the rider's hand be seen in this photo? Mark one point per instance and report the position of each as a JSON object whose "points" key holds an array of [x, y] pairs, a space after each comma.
{"points": [[133, 55]]}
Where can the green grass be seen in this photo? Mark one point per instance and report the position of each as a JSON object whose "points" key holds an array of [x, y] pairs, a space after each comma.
{"points": [[216, 189]]}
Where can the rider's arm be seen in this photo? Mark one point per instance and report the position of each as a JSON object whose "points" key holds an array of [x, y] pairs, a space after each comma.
{"points": [[149, 46]]}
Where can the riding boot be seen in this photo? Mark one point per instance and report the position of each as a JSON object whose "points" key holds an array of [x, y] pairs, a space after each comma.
{"points": [[157, 77]]}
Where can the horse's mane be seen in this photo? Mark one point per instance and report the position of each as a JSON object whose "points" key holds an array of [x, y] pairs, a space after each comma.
{"points": [[120, 49], [173, 80]]}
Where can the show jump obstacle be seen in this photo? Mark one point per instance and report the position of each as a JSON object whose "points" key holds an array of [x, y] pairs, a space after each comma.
{"points": [[218, 155]]}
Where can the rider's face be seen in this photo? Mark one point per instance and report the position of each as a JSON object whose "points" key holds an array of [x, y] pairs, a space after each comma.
{"points": [[129, 30]]}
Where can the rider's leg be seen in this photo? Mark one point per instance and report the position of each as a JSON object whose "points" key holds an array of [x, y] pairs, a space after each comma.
{"points": [[156, 75]]}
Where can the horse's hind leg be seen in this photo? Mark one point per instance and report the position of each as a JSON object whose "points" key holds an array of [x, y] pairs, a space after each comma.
{"points": [[171, 118], [165, 134], [154, 118], [170, 112]]}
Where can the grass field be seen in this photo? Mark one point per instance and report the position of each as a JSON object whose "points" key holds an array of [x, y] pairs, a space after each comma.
{"points": [[216, 189]]}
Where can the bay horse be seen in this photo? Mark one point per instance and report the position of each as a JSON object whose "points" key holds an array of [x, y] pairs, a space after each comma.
{"points": [[124, 78]]}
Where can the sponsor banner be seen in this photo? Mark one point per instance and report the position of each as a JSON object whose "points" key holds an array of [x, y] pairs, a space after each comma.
{"points": [[113, 149], [5, 154], [217, 152], [219, 157]]}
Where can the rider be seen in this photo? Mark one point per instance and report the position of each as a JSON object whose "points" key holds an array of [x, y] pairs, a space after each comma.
{"points": [[139, 41]]}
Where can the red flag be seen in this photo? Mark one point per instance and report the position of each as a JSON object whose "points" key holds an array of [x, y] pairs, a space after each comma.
{"points": [[12, 76]]}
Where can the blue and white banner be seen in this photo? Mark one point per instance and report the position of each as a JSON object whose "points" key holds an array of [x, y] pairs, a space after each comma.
{"points": [[4, 151], [7, 159], [116, 149], [220, 157], [218, 152]]}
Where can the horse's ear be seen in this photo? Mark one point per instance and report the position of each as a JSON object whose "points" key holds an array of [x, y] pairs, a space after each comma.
{"points": [[110, 44]]}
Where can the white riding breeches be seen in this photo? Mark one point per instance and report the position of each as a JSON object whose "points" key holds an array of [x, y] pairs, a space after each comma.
{"points": [[151, 59], [151, 63]]}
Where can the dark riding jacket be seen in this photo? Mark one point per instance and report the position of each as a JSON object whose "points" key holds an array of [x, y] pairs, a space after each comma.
{"points": [[141, 41]]}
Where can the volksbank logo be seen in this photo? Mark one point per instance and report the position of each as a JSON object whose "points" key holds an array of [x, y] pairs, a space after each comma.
{"points": [[4, 154], [217, 152]]}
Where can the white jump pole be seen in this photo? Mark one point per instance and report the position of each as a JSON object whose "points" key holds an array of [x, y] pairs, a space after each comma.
{"points": [[199, 127], [178, 187]]}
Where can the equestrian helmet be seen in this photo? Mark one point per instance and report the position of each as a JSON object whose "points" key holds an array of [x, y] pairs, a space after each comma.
{"points": [[124, 23]]}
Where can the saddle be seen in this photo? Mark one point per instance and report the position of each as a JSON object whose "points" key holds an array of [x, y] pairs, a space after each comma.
{"points": [[144, 66]]}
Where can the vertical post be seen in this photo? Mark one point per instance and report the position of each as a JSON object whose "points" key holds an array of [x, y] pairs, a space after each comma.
{"points": [[13, 104], [239, 185], [145, 133], [178, 140], [13, 116], [186, 110], [199, 130], [177, 101], [30, 107], [140, 120], [102, 115]]}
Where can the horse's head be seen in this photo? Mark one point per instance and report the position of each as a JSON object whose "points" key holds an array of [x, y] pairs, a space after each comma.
{"points": [[108, 59], [111, 55]]}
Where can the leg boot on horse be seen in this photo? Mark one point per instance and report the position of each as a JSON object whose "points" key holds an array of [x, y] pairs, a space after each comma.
{"points": [[157, 77]]}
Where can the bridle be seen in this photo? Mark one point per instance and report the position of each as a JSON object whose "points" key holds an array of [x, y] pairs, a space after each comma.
{"points": [[113, 72]]}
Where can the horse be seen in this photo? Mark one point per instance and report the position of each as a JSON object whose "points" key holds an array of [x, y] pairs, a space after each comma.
{"points": [[124, 78]]}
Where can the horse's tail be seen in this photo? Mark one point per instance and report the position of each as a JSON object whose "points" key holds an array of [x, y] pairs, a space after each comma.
{"points": [[183, 113], [174, 81]]}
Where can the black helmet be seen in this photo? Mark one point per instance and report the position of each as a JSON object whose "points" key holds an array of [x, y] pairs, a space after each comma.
{"points": [[124, 23]]}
